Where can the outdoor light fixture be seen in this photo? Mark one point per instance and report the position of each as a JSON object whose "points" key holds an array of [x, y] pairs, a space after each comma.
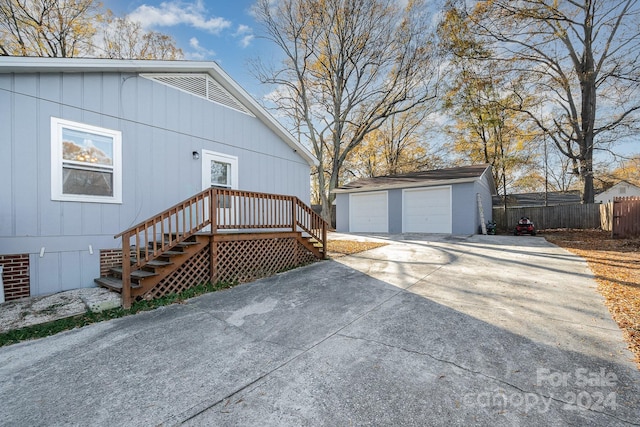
{"points": [[195, 155]]}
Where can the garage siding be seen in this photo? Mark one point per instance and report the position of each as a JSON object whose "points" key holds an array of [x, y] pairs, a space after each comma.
{"points": [[483, 188], [464, 208], [342, 213], [464, 214], [395, 211]]}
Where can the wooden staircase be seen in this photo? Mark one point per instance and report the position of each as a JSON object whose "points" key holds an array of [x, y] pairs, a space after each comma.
{"points": [[313, 245], [155, 270], [158, 247]]}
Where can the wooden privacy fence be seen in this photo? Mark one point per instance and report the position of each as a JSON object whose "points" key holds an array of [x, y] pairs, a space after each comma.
{"points": [[621, 217], [544, 217]]}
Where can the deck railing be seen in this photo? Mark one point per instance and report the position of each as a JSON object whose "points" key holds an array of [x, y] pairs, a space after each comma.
{"points": [[214, 210]]}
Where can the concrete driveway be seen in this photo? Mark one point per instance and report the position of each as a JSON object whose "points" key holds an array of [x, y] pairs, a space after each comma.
{"points": [[429, 330]]}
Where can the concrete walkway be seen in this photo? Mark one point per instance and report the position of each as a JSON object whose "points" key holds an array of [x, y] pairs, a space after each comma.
{"points": [[485, 330]]}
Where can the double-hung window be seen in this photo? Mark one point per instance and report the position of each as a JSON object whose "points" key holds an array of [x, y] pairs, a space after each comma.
{"points": [[86, 162]]}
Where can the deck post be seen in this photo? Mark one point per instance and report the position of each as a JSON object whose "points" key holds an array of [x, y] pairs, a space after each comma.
{"points": [[324, 239], [213, 244], [126, 272], [294, 208]]}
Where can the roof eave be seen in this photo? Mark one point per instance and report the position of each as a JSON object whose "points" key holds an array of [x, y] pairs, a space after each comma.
{"points": [[434, 183]]}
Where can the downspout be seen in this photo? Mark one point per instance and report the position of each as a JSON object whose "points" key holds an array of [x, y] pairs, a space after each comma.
{"points": [[1, 286]]}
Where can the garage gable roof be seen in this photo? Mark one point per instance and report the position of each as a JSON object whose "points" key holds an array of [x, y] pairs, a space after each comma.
{"points": [[447, 176], [20, 64]]}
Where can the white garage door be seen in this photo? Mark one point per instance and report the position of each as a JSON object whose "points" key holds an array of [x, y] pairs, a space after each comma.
{"points": [[368, 213], [427, 210]]}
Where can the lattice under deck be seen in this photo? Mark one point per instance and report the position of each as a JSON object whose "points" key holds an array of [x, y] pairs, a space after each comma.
{"points": [[237, 261], [192, 273], [247, 260]]}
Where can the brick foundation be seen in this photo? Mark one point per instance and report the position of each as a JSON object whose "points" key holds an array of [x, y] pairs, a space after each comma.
{"points": [[15, 276], [109, 258]]}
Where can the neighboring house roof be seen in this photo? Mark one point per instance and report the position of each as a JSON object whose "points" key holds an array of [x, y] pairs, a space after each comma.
{"points": [[538, 199], [18, 64], [429, 178], [620, 189]]}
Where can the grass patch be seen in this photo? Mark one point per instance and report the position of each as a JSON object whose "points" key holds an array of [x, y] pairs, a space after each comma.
{"points": [[350, 247], [60, 325]]}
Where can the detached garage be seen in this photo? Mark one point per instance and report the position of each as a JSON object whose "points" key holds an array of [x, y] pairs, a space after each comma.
{"points": [[445, 201]]}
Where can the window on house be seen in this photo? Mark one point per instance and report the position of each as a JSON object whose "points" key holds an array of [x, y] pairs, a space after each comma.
{"points": [[86, 163], [623, 190]]}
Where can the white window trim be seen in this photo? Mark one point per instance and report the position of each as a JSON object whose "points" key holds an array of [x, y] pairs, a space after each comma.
{"points": [[57, 125], [224, 158]]}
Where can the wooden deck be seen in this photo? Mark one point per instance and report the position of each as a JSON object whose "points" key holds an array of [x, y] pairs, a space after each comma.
{"points": [[216, 235]]}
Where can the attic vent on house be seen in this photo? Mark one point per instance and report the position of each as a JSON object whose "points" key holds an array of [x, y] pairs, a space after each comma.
{"points": [[201, 85]]}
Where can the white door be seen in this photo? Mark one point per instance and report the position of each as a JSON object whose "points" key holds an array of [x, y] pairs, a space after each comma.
{"points": [[220, 170], [426, 210], [368, 213]]}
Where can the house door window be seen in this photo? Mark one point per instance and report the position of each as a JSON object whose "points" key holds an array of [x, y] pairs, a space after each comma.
{"points": [[220, 170]]}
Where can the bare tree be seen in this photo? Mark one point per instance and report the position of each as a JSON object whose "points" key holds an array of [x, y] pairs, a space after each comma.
{"points": [[54, 28], [581, 60], [348, 66], [486, 127], [72, 28], [400, 145], [126, 39]]}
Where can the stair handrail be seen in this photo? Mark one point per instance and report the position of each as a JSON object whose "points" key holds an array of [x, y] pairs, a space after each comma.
{"points": [[192, 215], [146, 234], [316, 226]]}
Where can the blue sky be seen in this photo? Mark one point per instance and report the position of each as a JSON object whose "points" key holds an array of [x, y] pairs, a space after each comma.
{"points": [[219, 30], [224, 31]]}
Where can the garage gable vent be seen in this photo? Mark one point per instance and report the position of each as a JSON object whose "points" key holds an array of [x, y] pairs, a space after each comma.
{"points": [[201, 85]]}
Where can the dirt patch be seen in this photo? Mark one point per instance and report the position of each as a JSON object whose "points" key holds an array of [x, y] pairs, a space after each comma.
{"points": [[338, 248], [615, 264]]}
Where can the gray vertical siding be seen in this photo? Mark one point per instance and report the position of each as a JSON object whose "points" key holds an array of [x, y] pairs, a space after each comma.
{"points": [[342, 212], [395, 211], [160, 126], [486, 192], [464, 209]]}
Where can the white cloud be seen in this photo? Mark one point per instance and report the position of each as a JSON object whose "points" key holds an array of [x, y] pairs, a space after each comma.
{"points": [[246, 40], [172, 13], [246, 35], [243, 29], [199, 52]]}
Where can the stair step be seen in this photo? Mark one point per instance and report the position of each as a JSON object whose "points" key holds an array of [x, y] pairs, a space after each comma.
{"points": [[135, 274], [179, 245], [112, 283], [172, 253], [186, 244], [314, 242], [165, 253], [153, 263]]}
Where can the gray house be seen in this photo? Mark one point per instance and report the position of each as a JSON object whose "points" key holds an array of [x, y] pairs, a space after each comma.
{"points": [[437, 201], [90, 147]]}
